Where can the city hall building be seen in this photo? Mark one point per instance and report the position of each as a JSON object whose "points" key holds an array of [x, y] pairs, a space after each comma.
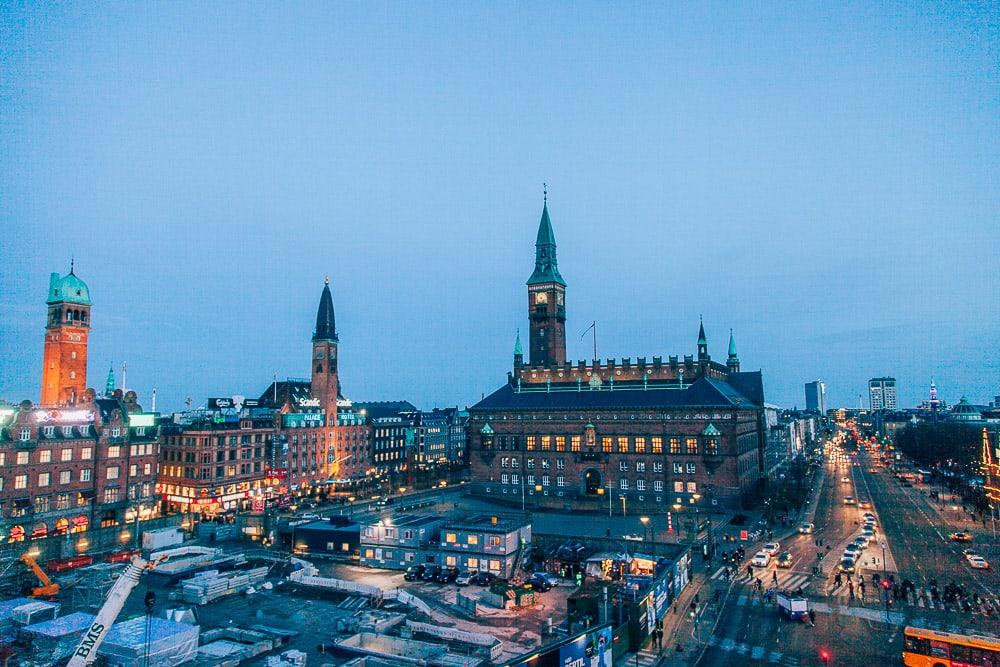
{"points": [[614, 433]]}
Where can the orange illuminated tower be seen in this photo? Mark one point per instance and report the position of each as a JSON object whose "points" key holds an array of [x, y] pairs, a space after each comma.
{"points": [[64, 369]]}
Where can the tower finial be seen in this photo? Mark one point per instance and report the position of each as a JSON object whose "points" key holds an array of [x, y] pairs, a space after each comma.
{"points": [[326, 278], [72, 262], [545, 193]]}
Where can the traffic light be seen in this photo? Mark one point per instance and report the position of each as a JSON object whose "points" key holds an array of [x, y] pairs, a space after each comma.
{"points": [[886, 584], [824, 656]]}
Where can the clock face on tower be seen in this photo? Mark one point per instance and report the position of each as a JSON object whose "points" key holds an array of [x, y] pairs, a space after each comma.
{"points": [[541, 297]]}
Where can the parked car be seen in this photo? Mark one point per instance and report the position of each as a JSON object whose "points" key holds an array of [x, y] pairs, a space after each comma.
{"points": [[784, 560], [761, 559], [446, 575], [771, 548], [845, 479], [483, 578], [849, 500], [464, 578], [413, 573], [961, 537], [852, 551], [865, 505], [846, 564], [969, 552], [806, 528], [538, 583], [431, 572]]}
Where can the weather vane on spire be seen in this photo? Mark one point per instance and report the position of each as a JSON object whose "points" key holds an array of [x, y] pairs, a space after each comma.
{"points": [[72, 261], [545, 193]]}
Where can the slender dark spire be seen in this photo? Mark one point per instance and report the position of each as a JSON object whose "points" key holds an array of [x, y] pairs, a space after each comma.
{"points": [[326, 325], [702, 340], [546, 265], [72, 263]]}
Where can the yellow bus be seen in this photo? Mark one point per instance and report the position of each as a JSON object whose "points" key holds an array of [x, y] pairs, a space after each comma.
{"points": [[930, 648]]}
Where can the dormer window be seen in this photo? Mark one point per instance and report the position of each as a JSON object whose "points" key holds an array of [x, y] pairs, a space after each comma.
{"points": [[116, 431], [67, 431], [50, 431], [25, 434], [141, 430]]}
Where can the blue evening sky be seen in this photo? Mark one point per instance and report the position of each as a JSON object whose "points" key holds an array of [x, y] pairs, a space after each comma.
{"points": [[821, 177]]}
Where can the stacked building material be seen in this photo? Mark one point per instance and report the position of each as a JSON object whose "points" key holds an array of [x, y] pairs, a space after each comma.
{"points": [[209, 586], [169, 643], [53, 640], [9, 624]]}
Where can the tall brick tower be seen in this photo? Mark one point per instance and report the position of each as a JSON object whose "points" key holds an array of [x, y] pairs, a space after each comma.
{"points": [[325, 383], [546, 299], [64, 365]]}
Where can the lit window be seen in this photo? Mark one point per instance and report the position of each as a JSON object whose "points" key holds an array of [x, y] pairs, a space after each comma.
{"points": [[112, 472], [675, 445], [679, 487], [657, 445], [22, 458], [546, 443], [44, 478], [692, 487], [606, 444], [66, 455], [623, 445], [640, 445], [574, 443], [692, 445], [21, 482], [531, 443], [65, 477], [560, 443], [472, 539], [86, 453]]}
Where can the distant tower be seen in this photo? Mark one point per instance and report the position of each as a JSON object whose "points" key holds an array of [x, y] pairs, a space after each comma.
{"points": [[518, 352], [64, 365], [733, 362], [546, 300], [325, 384], [934, 403], [109, 384], [702, 342]]}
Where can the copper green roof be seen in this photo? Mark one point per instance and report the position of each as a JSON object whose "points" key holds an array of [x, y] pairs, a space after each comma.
{"points": [[68, 289], [702, 340], [546, 266], [517, 344], [732, 345]]}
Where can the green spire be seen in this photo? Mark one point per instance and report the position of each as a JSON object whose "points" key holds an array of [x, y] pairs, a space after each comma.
{"points": [[702, 340], [109, 386], [517, 345], [546, 266], [732, 345]]}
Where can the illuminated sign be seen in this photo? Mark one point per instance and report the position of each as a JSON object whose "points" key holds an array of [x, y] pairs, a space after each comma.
{"points": [[64, 415], [142, 419], [179, 499]]}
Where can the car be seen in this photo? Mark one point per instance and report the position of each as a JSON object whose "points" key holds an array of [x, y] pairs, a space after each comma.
{"points": [[413, 573], [431, 572], [761, 559], [446, 575], [960, 536], [538, 583], [862, 542], [632, 538], [865, 505], [852, 550], [784, 560], [846, 564], [806, 528], [849, 500], [869, 516], [771, 548], [978, 562], [310, 516], [845, 480], [869, 532], [969, 552], [464, 578], [866, 537], [484, 578]]}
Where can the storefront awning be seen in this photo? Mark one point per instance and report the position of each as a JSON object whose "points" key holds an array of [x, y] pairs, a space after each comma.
{"points": [[87, 495], [22, 503]]}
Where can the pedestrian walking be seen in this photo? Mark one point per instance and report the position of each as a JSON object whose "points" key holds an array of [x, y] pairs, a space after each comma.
{"points": [[861, 585], [774, 577], [850, 588], [812, 617]]}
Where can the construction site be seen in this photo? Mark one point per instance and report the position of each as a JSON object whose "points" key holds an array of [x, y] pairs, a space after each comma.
{"points": [[458, 591]]}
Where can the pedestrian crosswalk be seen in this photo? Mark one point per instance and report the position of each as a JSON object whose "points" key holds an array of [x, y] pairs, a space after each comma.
{"points": [[780, 579], [644, 658], [921, 598], [756, 653]]}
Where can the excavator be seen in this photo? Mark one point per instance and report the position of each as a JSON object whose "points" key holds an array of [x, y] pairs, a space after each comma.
{"points": [[48, 588]]}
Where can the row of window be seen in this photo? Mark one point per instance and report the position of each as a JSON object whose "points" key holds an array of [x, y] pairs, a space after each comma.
{"points": [[623, 465], [472, 539], [624, 483], [66, 476], [220, 471], [621, 444]]}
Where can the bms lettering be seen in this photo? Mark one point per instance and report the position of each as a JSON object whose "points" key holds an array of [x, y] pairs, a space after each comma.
{"points": [[88, 642]]}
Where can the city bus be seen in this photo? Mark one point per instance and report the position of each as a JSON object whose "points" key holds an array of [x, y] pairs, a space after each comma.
{"points": [[930, 648]]}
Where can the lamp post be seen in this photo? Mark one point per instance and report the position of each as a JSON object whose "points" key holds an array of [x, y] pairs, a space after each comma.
{"points": [[623, 503], [645, 524]]}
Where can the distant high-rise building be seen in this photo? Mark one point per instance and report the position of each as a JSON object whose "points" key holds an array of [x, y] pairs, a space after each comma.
{"points": [[882, 393], [816, 397]]}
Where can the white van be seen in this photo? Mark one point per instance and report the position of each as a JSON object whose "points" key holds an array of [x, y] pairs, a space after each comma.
{"points": [[761, 559]]}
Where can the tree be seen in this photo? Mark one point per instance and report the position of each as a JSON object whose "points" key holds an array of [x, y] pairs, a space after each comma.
{"points": [[935, 444]]}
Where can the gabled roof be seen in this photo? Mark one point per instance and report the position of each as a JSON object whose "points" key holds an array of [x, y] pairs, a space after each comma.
{"points": [[703, 393], [748, 383]]}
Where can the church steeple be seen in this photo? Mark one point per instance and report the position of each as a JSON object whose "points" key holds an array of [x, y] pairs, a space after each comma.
{"points": [[702, 341], [733, 362], [546, 265], [109, 385], [546, 299], [325, 384], [518, 351]]}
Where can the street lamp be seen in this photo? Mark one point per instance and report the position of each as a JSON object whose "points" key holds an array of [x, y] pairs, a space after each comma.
{"points": [[645, 524]]}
